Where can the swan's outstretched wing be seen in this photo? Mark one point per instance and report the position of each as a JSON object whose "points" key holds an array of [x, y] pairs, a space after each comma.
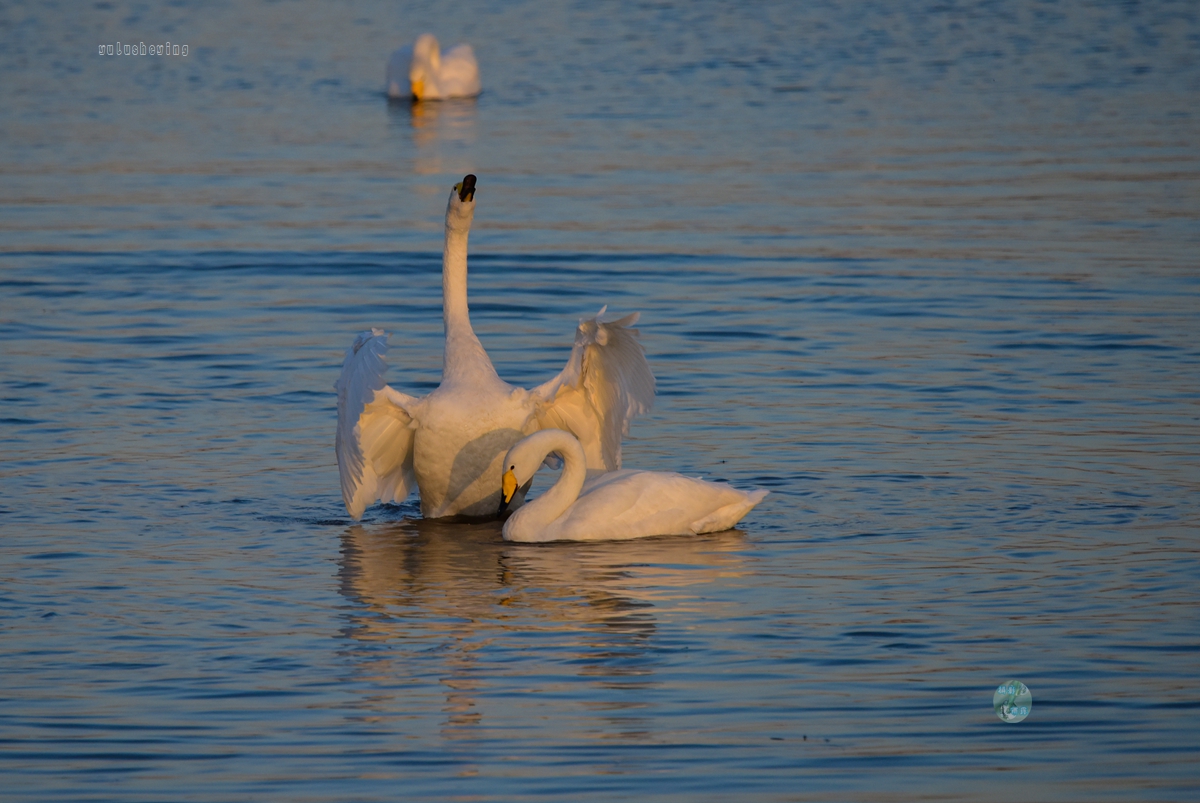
{"points": [[374, 441], [605, 383]]}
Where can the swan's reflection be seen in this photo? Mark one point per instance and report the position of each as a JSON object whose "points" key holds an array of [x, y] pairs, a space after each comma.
{"points": [[438, 129], [454, 600]]}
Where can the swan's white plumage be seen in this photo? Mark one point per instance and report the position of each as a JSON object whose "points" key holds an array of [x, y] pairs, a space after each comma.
{"points": [[604, 385], [374, 448], [398, 85], [423, 72], [450, 444], [618, 505]]}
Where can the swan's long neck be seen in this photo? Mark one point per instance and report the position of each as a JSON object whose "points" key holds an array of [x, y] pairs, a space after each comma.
{"points": [[464, 356], [561, 495]]}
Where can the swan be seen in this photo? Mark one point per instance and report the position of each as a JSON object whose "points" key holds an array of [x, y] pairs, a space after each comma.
{"points": [[422, 72], [618, 505], [449, 444]]}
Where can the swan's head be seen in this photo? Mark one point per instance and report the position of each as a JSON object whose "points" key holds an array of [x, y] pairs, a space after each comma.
{"points": [[425, 64], [460, 209], [520, 464], [509, 485]]}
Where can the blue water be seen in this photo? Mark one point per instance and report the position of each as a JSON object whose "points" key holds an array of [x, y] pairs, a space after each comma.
{"points": [[927, 273]]}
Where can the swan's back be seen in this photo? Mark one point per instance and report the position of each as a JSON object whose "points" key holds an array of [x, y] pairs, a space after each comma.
{"points": [[459, 73], [635, 504]]}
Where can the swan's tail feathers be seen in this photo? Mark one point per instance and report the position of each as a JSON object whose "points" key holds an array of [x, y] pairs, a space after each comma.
{"points": [[374, 440], [605, 384], [725, 518]]}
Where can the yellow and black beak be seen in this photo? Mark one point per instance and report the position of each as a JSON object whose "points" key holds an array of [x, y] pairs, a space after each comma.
{"points": [[508, 488], [508, 483], [466, 188]]}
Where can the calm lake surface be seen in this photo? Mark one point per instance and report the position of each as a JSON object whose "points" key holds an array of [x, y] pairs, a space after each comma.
{"points": [[929, 273]]}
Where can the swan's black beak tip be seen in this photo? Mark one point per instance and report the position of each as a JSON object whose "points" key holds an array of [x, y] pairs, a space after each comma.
{"points": [[466, 190], [503, 507]]}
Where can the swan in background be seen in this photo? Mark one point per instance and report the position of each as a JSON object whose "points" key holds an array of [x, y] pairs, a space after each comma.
{"points": [[615, 506], [450, 444], [422, 72]]}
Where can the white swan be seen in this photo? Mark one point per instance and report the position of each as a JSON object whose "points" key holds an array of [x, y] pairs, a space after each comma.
{"points": [[450, 443], [618, 505], [421, 71]]}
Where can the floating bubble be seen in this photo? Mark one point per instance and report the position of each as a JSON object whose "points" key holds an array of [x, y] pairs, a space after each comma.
{"points": [[1012, 701]]}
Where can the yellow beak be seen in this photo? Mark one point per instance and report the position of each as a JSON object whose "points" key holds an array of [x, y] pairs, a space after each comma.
{"points": [[508, 486]]}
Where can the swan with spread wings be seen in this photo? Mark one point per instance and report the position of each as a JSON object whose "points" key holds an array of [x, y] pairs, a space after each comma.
{"points": [[450, 444]]}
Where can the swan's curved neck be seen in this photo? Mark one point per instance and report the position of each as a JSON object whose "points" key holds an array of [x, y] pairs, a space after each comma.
{"points": [[464, 355], [561, 495]]}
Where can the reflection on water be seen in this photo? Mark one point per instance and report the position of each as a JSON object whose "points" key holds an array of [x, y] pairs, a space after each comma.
{"points": [[453, 591], [434, 131]]}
